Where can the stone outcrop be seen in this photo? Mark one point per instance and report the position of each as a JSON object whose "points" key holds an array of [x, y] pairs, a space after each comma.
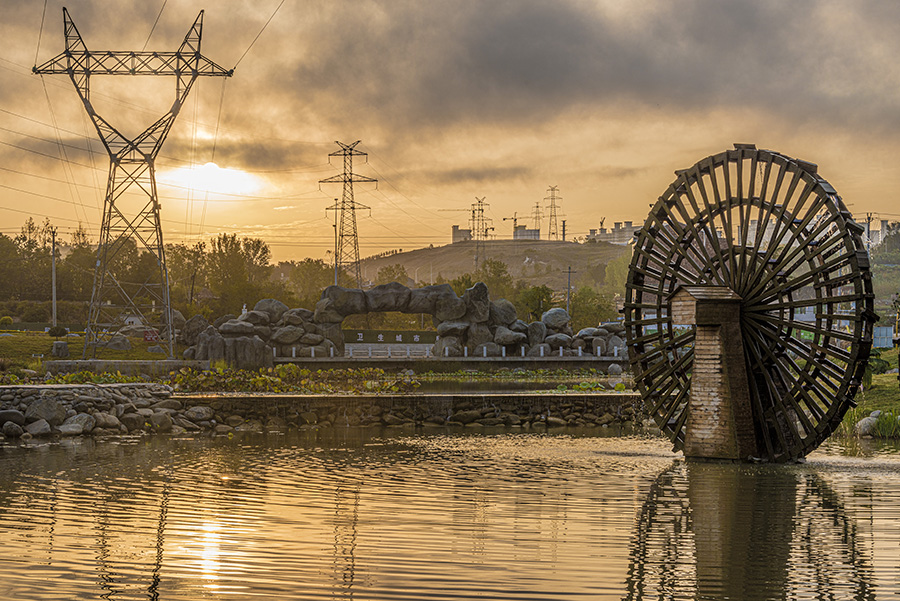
{"points": [[468, 325]]}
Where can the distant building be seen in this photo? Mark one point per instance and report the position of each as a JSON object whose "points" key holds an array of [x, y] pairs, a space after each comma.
{"points": [[619, 234], [521, 232], [460, 235]]}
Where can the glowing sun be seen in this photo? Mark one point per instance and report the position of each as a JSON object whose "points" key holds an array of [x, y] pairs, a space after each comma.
{"points": [[214, 179]]}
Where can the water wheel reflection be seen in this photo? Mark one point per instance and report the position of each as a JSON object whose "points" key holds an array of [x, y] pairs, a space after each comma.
{"points": [[722, 531]]}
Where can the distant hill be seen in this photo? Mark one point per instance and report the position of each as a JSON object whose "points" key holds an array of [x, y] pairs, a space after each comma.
{"points": [[535, 261]]}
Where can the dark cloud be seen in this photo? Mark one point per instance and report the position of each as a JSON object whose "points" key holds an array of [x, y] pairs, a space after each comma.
{"points": [[474, 175], [437, 65]]}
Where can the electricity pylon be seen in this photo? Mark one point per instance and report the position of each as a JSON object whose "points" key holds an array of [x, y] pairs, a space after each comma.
{"points": [[132, 170], [347, 251], [553, 231], [536, 215]]}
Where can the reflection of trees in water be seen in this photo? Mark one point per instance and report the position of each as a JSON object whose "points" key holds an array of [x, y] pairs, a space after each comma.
{"points": [[728, 531]]}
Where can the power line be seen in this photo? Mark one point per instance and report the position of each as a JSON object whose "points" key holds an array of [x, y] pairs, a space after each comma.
{"points": [[257, 36]]}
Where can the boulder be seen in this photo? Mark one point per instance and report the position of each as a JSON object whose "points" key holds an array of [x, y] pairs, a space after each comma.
{"points": [[200, 413], [210, 345], [297, 317], [537, 331], [535, 350], [39, 428], [478, 333], [156, 349], [84, 420], [388, 297], [488, 349], [614, 369], [311, 339], [865, 426], [60, 349], [192, 329], [237, 327], [46, 409], [73, 429], [223, 319], [287, 334], [614, 328], [106, 421], [447, 346], [11, 415], [12, 430], [598, 346], [272, 307], [257, 318], [504, 336], [558, 340], [478, 303], [119, 343], [588, 333], [452, 328], [449, 308], [466, 417], [425, 299], [345, 301], [327, 313], [245, 352], [519, 326], [614, 342], [556, 318], [334, 336], [502, 312], [161, 422]]}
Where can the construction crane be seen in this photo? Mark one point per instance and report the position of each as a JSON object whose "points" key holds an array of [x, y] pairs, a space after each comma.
{"points": [[515, 220]]}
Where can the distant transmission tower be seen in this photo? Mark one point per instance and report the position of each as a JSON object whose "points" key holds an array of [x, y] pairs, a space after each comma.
{"points": [[553, 231], [480, 225], [536, 215], [347, 251], [131, 170]]}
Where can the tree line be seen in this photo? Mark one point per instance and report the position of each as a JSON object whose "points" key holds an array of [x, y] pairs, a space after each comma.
{"points": [[221, 276]]}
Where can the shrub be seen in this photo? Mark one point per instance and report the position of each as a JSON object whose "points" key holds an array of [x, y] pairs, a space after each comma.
{"points": [[5, 321], [57, 332], [35, 313]]}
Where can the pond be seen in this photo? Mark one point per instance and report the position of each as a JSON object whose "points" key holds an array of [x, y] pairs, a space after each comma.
{"points": [[395, 514]]}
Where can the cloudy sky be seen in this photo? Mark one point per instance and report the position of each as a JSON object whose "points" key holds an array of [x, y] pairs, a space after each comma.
{"points": [[451, 101]]}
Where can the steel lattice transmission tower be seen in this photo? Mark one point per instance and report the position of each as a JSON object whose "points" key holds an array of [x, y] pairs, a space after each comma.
{"points": [[347, 251], [132, 171], [553, 231], [481, 225], [536, 215]]}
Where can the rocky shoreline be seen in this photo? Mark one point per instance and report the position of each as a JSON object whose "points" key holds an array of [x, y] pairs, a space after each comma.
{"points": [[53, 411]]}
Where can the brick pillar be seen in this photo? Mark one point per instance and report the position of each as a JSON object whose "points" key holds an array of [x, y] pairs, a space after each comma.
{"points": [[720, 422]]}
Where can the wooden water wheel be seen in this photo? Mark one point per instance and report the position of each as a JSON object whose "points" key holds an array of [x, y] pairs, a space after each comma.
{"points": [[774, 235]]}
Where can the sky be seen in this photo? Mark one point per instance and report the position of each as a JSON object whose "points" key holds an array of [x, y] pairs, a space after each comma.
{"points": [[450, 101]]}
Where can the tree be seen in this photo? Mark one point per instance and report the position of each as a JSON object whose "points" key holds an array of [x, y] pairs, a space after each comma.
{"points": [[392, 273], [310, 277], [495, 274], [531, 302], [617, 274], [227, 273], [588, 308], [461, 283]]}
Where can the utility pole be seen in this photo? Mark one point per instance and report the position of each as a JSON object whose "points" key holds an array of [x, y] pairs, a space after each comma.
{"points": [[132, 173], [334, 255], [569, 273], [53, 270], [347, 249], [553, 233], [564, 230]]}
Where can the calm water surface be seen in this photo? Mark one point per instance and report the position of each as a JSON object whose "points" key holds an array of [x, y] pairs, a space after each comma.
{"points": [[370, 514]]}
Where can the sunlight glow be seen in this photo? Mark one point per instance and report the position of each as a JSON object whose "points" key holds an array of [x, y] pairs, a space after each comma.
{"points": [[214, 179]]}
